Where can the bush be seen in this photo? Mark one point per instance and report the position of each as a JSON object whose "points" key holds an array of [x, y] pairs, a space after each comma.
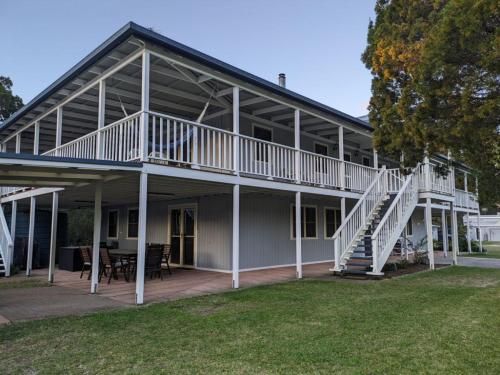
{"points": [[462, 245], [438, 245], [402, 264], [420, 257]]}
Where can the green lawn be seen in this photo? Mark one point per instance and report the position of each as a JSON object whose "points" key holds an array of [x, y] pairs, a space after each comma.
{"points": [[493, 251], [445, 321]]}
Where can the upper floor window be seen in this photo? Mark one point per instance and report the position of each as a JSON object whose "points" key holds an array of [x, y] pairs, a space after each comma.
{"points": [[133, 223], [321, 149], [113, 224], [264, 134], [347, 157], [308, 221], [366, 161]]}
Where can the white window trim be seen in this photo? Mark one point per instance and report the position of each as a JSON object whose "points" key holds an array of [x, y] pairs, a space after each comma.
{"points": [[324, 220], [321, 144], [292, 212], [262, 127], [350, 156], [117, 224], [363, 158], [128, 211]]}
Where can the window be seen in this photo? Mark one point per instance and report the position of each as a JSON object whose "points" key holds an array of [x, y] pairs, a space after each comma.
{"points": [[409, 228], [366, 161], [133, 223], [321, 149], [333, 220], [347, 157], [308, 219], [264, 134], [113, 224]]}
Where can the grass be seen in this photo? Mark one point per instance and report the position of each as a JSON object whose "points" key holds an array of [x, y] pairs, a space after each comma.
{"points": [[445, 321], [15, 282], [492, 251]]}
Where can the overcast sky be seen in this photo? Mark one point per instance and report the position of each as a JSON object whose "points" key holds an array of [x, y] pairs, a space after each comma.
{"points": [[317, 43]]}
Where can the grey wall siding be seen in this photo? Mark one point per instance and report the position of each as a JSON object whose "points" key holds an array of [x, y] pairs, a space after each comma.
{"points": [[265, 230]]}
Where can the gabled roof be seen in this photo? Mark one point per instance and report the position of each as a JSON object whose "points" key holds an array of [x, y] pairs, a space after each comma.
{"points": [[133, 29]]}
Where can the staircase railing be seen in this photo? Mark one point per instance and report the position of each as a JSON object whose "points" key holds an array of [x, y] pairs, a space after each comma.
{"points": [[358, 218], [392, 224], [6, 244]]}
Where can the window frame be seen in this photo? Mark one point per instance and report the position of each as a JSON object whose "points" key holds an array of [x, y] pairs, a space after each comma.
{"points": [[363, 158], [128, 223], [292, 213], [323, 145], [268, 128], [324, 220], [117, 224]]}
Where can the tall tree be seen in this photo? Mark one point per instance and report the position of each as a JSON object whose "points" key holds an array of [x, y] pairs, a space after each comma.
{"points": [[436, 83], [9, 103]]}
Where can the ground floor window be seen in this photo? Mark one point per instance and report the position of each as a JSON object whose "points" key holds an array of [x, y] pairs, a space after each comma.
{"points": [[113, 224], [133, 223], [308, 220], [409, 228], [333, 220]]}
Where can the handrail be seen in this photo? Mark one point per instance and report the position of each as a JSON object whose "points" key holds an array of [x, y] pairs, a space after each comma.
{"points": [[365, 194], [6, 243], [394, 202]]}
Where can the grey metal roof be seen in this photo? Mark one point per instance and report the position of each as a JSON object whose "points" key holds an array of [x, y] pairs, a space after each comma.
{"points": [[133, 29]]}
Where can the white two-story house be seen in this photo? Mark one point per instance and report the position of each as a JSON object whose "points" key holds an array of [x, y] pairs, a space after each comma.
{"points": [[236, 173]]}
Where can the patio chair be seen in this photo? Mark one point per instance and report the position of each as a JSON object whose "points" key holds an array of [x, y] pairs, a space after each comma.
{"points": [[111, 264], [154, 256], [167, 249], [87, 260]]}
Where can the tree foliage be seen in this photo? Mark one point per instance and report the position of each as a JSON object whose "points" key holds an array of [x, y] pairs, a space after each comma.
{"points": [[436, 83], [9, 103]]}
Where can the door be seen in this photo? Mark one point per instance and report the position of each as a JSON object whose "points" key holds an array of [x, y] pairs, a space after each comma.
{"points": [[183, 235]]}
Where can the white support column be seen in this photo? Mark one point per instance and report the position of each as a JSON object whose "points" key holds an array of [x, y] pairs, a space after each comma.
{"points": [[36, 139], [375, 159], [141, 239], [427, 169], [13, 219], [342, 210], [18, 143], [454, 233], [144, 140], [469, 245], [97, 237], [298, 234], [479, 218], [296, 132], [341, 158], [31, 236], [53, 236], [428, 226], [444, 229], [59, 121], [101, 117], [236, 130], [236, 236]]}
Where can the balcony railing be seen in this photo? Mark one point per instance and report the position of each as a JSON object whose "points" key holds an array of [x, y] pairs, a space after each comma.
{"points": [[436, 182], [466, 200], [181, 142]]}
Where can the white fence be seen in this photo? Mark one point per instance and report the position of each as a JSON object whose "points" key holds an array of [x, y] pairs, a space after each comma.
{"points": [[466, 200]]}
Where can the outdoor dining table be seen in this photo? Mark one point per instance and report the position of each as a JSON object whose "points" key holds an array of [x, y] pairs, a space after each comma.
{"points": [[129, 255]]}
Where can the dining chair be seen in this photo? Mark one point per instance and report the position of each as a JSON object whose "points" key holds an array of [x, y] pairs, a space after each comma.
{"points": [[154, 256], [86, 259], [111, 264], [167, 249]]}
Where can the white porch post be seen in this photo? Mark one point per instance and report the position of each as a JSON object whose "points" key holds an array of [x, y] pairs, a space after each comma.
{"points": [[101, 117], [236, 236], [469, 245], [97, 237], [479, 218], [18, 143], [59, 121], [298, 234], [31, 235], [236, 130], [342, 172], [296, 132], [375, 159], [428, 226], [444, 229], [13, 219], [454, 233], [427, 169], [53, 236], [36, 138], [144, 139], [141, 239]]}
